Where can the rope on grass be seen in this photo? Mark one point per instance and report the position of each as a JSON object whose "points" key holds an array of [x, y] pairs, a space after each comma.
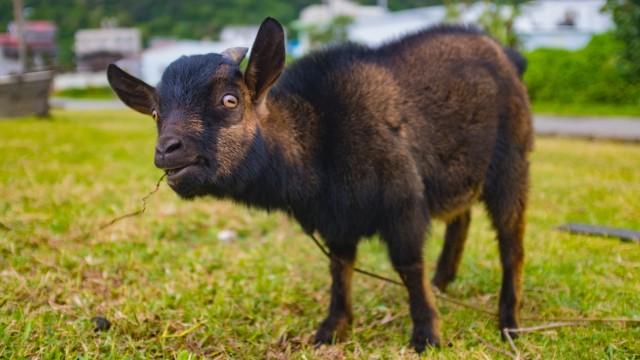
{"points": [[116, 220], [491, 346], [554, 322]]}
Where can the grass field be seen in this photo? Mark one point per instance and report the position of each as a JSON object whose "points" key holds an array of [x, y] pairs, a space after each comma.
{"points": [[91, 93], [173, 290], [630, 111]]}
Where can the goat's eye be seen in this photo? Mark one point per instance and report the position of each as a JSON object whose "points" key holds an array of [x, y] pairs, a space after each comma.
{"points": [[229, 101], [154, 114]]}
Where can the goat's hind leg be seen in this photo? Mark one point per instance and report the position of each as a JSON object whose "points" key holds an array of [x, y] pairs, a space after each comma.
{"points": [[335, 326], [506, 200], [449, 260], [405, 237]]}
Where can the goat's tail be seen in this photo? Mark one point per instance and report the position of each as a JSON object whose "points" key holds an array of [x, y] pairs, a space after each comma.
{"points": [[519, 61]]}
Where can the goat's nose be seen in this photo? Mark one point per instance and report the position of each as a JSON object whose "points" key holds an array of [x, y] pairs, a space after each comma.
{"points": [[167, 145]]}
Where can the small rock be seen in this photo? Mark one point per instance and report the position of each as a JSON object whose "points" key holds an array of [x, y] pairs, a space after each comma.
{"points": [[102, 324], [227, 235]]}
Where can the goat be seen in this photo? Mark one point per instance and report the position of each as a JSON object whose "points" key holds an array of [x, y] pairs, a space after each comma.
{"points": [[353, 141]]}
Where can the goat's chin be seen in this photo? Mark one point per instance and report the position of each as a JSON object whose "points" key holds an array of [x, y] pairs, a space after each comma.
{"points": [[188, 193], [190, 184]]}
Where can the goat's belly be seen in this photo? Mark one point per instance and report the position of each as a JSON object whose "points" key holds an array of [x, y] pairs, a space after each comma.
{"points": [[446, 206]]}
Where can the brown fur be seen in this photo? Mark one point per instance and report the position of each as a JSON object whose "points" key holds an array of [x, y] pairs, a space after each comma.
{"points": [[353, 141]]}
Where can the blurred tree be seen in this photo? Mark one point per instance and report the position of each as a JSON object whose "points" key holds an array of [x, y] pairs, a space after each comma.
{"points": [[334, 32], [626, 15], [498, 19], [454, 9], [589, 75]]}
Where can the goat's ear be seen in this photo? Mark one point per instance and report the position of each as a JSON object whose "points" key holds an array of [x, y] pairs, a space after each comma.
{"points": [[134, 92], [267, 59]]}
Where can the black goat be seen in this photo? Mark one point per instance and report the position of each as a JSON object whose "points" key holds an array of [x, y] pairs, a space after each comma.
{"points": [[353, 141]]}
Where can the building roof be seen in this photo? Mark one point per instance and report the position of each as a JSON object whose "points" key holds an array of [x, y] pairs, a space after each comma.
{"points": [[34, 25], [38, 34], [7, 40], [40, 25]]}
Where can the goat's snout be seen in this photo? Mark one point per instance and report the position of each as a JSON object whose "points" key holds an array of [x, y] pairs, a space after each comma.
{"points": [[169, 152], [168, 144]]}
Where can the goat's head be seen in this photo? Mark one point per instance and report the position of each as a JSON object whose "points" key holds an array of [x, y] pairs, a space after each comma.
{"points": [[207, 113]]}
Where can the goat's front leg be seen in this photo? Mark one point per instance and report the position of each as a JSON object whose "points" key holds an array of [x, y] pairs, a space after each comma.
{"points": [[336, 324]]}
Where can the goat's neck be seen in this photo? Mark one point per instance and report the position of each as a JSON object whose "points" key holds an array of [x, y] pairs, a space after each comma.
{"points": [[289, 177]]}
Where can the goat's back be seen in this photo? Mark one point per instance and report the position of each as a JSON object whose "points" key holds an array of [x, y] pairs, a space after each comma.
{"points": [[465, 103], [418, 117]]}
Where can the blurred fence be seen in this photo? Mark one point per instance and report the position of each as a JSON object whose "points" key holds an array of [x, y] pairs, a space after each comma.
{"points": [[25, 94], [80, 81]]}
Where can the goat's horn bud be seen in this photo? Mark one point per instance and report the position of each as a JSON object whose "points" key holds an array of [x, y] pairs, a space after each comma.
{"points": [[235, 54]]}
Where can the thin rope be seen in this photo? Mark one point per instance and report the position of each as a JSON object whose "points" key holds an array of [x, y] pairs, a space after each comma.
{"points": [[556, 321], [364, 272], [125, 216]]}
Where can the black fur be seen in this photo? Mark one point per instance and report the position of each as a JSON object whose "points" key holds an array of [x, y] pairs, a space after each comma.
{"points": [[353, 141], [517, 59]]}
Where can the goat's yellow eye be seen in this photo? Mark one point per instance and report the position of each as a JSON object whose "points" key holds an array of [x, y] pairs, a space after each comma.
{"points": [[154, 113], [229, 101]]}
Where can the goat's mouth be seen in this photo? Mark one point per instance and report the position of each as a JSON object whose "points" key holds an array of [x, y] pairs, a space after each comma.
{"points": [[188, 181], [174, 173], [179, 176]]}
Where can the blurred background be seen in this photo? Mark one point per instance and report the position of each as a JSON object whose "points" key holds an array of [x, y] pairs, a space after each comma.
{"points": [[211, 279], [581, 52]]}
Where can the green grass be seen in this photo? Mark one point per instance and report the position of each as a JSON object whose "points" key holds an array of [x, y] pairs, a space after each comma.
{"points": [[87, 93], [605, 110], [172, 289]]}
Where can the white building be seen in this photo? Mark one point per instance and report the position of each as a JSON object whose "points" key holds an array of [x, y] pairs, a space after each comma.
{"points": [[319, 15], [240, 35], [568, 24], [376, 30], [39, 37], [114, 40], [154, 61], [323, 13], [96, 48]]}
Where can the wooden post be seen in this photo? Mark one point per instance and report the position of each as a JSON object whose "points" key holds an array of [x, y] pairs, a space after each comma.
{"points": [[22, 45]]}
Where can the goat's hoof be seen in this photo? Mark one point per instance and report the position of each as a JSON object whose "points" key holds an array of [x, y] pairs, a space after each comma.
{"points": [[323, 337], [423, 338], [332, 329], [508, 322], [440, 283]]}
